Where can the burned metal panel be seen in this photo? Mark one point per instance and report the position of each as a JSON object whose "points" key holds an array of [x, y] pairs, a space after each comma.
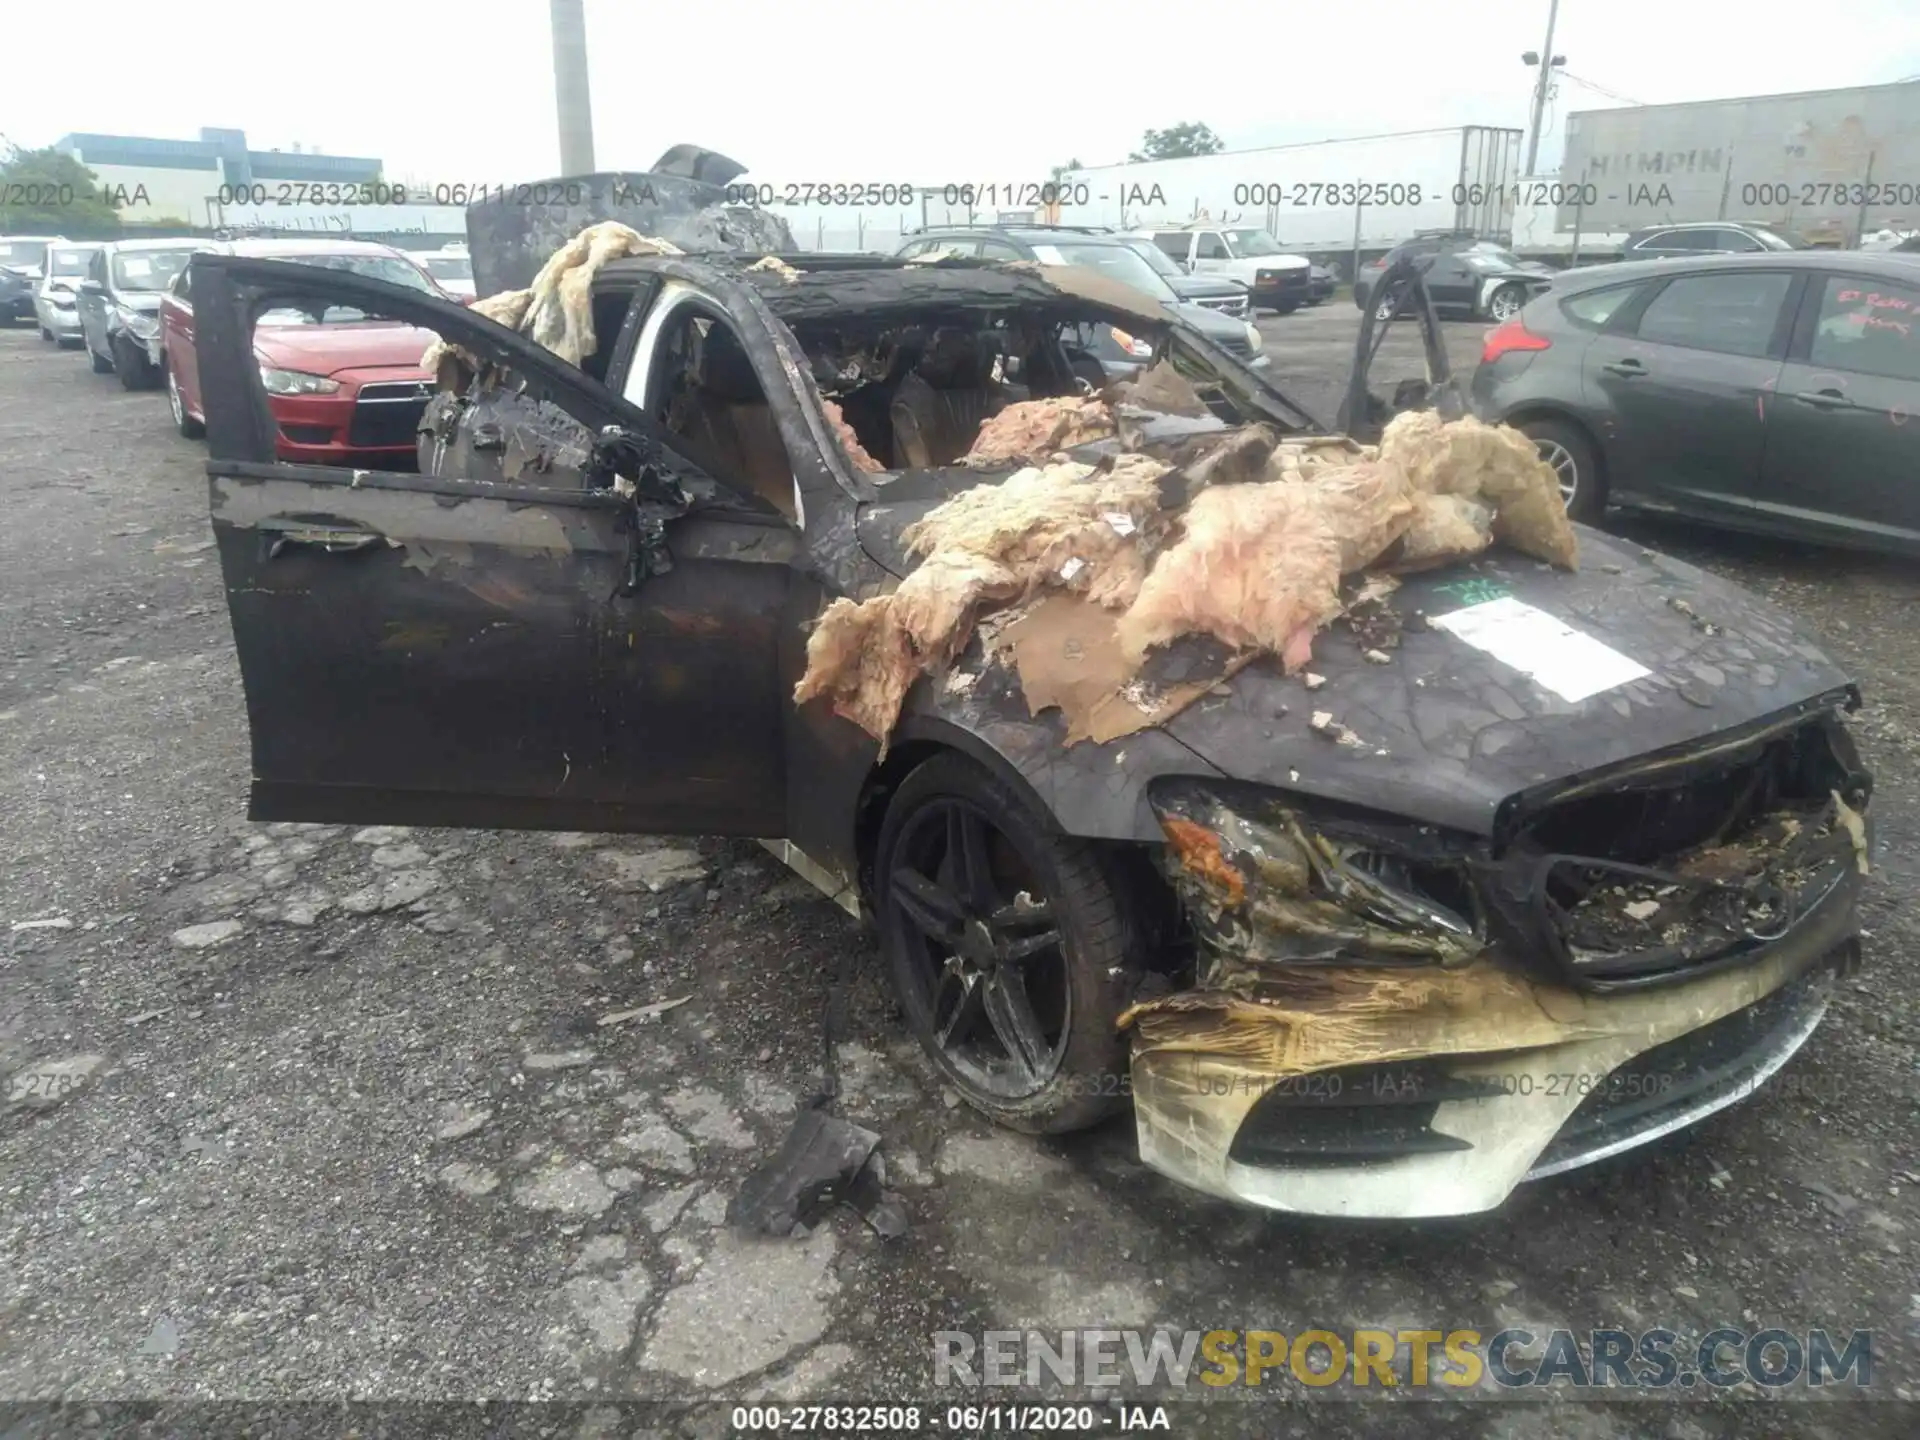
{"points": [[959, 286], [1449, 732], [1446, 730], [695, 162], [513, 232], [447, 659]]}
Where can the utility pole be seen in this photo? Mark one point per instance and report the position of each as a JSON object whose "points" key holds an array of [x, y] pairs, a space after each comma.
{"points": [[569, 23], [1546, 60]]}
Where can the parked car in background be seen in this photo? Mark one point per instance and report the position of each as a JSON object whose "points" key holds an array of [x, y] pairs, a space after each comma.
{"points": [[344, 389], [451, 267], [1768, 392], [1705, 237], [56, 298], [1321, 283], [1905, 242], [1110, 352], [1216, 292], [22, 258], [1278, 281], [1467, 275], [119, 305]]}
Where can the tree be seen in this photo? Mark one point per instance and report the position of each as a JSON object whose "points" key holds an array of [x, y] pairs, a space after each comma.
{"points": [[53, 194], [1058, 171], [1176, 142]]}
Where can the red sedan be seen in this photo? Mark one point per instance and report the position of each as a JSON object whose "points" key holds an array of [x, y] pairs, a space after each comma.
{"points": [[344, 388]]}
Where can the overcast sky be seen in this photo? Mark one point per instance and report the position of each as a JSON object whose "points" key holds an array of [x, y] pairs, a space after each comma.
{"points": [[868, 91]]}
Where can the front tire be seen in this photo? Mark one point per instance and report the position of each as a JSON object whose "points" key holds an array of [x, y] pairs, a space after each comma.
{"points": [[133, 368], [183, 421], [102, 365], [1009, 949], [46, 334], [1577, 464]]}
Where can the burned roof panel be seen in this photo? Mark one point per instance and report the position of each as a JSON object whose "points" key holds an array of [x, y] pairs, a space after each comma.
{"points": [[877, 286]]}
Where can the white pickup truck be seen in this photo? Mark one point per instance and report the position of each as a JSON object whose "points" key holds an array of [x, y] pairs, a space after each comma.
{"points": [[1278, 281]]}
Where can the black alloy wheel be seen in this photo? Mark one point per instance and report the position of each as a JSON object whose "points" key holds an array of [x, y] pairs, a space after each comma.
{"points": [[1007, 947]]}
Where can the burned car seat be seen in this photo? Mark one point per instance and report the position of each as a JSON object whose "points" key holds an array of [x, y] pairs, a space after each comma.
{"points": [[939, 407], [730, 426]]}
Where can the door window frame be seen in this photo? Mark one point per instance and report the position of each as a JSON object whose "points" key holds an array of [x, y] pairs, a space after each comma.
{"points": [[1613, 324], [644, 335], [1626, 320], [1800, 347]]}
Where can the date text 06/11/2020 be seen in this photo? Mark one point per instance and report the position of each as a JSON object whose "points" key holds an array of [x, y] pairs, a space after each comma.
{"points": [[961, 1419]]}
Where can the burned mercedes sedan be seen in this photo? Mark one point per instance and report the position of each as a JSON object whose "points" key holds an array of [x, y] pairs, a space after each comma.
{"points": [[1381, 838]]}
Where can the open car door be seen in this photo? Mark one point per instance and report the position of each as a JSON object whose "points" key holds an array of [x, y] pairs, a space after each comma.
{"points": [[589, 645], [1364, 413]]}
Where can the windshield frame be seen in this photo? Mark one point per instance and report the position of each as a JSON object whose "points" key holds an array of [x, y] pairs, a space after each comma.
{"points": [[1158, 261], [81, 255], [1066, 249], [7, 256], [369, 266], [118, 282], [1237, 238], [1495, 252]]}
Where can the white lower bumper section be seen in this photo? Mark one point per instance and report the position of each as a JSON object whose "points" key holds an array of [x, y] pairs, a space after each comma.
{"points": [[1506, 1134]]}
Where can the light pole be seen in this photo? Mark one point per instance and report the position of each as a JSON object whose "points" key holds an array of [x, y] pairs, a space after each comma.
{"points": [[569, 23], [1546, 60]]}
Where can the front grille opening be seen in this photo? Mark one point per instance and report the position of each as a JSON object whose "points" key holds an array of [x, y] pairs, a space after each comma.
{"points": [[1640, 823], [1354, 1115], [1701, 866]]}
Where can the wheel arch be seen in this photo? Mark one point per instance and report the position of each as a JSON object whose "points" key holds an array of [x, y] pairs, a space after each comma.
{"points": [[1521, 414], [919, 739]]}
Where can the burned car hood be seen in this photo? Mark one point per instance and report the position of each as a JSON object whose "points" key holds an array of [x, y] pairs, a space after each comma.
{"points": [[1437, 729]]}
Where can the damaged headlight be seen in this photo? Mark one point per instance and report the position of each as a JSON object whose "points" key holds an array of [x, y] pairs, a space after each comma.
{"points": [[295, 382], [1262, 877], [1254, 342]]}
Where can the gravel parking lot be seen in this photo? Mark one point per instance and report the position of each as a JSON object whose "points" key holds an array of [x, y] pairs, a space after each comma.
{"points": [[355, 1113]]}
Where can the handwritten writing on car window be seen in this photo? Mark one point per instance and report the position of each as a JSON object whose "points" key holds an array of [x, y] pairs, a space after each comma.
{"points": [[1886, 313]]}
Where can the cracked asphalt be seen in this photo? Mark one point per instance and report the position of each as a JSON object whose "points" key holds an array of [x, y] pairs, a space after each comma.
{"points": [[314, 1112]]}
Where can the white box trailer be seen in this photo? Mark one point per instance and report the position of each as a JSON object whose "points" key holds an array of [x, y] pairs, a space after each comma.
{"points": [[1829, 164], [1325, 199]]}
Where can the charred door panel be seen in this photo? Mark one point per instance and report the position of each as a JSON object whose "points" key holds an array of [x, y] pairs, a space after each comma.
{"points": [[418, 651]]}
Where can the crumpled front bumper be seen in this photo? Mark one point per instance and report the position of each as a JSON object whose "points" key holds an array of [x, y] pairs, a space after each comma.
{"points": [[62, 319], [1421, 1091]]}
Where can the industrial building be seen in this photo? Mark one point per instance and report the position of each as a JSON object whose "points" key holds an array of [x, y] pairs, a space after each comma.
{"points": [[154, 180]]}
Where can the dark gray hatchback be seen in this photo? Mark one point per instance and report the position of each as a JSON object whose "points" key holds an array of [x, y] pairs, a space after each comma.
{"points": [[1778, 393]]}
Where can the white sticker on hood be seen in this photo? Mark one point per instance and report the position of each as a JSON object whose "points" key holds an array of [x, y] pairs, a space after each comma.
{"points": [[1550, 652]]}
